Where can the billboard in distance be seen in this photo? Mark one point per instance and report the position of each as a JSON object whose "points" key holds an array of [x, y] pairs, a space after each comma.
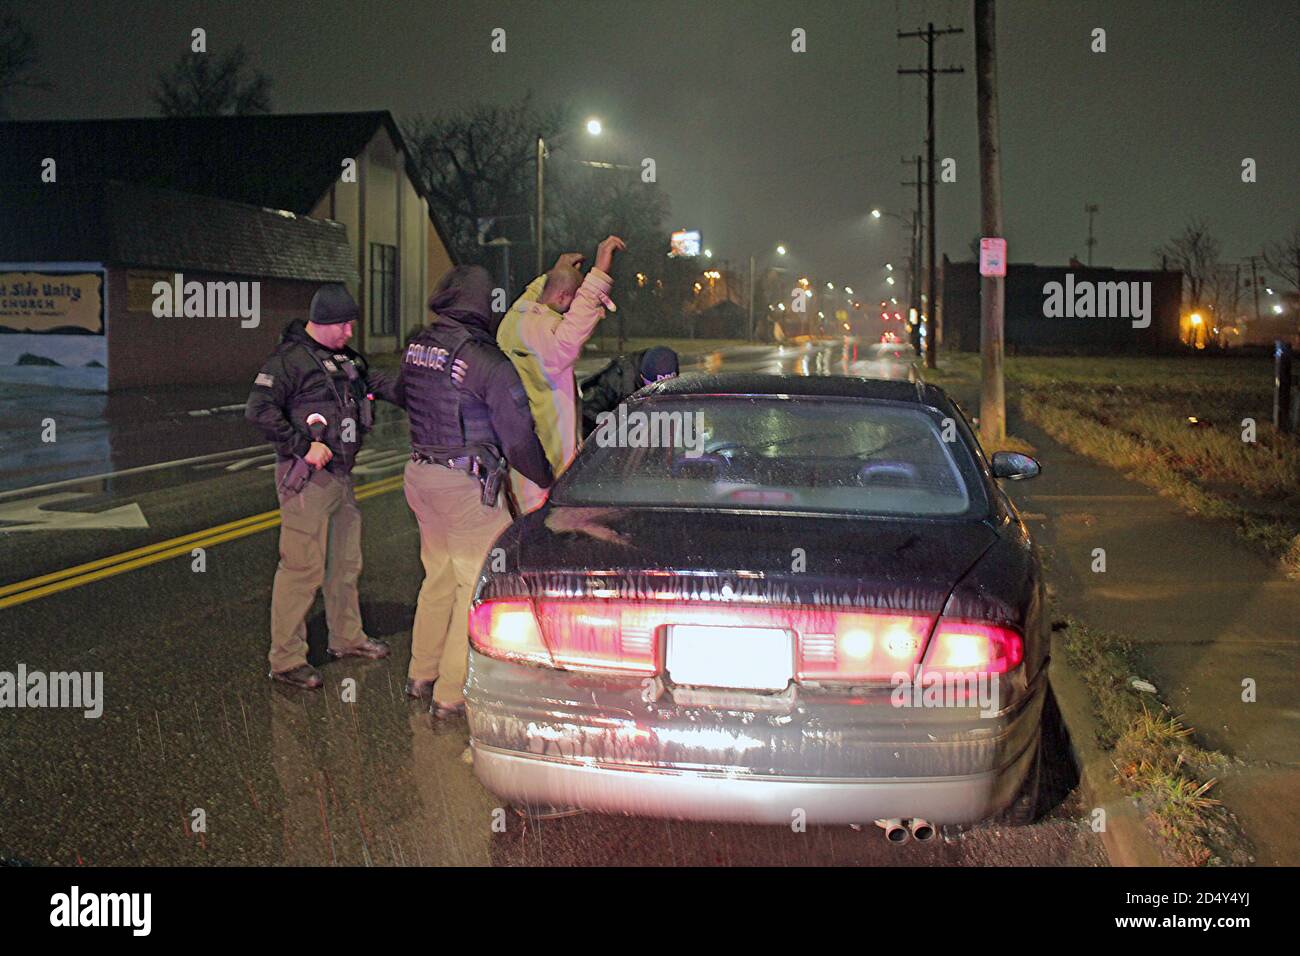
{"points": [[685, 242]]}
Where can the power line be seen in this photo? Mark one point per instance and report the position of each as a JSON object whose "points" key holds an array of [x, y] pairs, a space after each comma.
{"points": [[929, 35]]}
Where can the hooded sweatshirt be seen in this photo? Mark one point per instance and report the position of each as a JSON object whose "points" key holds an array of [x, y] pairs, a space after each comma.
{"points": [[544, 347], [458, 388]]}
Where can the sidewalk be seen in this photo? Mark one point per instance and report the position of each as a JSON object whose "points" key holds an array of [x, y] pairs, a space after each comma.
{"points": [[1204, 610]]}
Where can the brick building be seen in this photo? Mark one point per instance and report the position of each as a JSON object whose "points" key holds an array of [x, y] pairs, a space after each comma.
{"points": [[287, 202]]}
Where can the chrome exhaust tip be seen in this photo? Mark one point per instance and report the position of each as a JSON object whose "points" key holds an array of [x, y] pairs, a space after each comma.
{"points": [[923, 831], [895, 831]]}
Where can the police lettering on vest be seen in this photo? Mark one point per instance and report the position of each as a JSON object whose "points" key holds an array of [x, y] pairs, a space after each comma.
{"points": [[426, 356]]}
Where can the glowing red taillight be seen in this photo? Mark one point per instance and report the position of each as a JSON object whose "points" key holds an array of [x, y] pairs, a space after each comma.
{"points": [[508, 630], [580, 635], [974, 647], [862, 646], [607, 635], [830, 645]]}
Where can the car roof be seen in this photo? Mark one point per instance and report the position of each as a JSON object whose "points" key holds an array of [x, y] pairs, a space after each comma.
{"points": [[819, 386]]}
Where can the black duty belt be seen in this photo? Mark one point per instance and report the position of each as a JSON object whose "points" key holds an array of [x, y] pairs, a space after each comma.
{"points": [[457, 464]]}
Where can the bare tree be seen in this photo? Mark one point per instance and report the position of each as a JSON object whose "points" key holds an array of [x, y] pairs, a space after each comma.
{"points": [[201, 84], [1283, 259], [478, 164], [1224, 293], [18, 59], [1196, 254]]}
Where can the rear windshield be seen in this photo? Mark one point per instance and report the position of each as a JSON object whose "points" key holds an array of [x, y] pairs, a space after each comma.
{"points": [[775, 453]]}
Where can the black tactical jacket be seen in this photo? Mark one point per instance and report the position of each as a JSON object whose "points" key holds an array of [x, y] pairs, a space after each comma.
{"points": [[459, 389], [302, 377], [610, 387]]}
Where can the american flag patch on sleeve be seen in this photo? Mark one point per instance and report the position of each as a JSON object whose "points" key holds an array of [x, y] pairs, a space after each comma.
{"points": [[264, 380]]}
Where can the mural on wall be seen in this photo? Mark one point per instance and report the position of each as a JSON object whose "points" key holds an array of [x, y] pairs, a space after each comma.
{"points": [[52, 327]]}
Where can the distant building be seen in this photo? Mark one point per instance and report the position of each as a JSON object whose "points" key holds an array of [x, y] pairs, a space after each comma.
{"points": [[1039, 321], [288, 202]]}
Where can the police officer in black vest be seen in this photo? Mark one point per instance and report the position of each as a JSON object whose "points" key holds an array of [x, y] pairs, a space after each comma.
{"points": [[470, 422], [312, 401]]}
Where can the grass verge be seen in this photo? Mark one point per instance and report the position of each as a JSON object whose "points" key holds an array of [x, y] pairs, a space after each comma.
{"points": [[1154, 756], [1177, 424]]}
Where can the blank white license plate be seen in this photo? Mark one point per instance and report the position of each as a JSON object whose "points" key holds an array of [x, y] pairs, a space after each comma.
{"points": [[750, 658]]}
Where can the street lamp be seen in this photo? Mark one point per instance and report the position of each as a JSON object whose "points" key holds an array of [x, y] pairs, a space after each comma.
{"points": [[914, 279], [594, 128], [780, 251]]}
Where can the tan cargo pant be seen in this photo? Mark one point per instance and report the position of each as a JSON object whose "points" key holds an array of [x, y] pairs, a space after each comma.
{"points": [[320, 549], [456, 533]]}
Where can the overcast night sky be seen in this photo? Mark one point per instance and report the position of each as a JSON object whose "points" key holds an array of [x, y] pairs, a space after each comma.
{"points": [[756, 144]]}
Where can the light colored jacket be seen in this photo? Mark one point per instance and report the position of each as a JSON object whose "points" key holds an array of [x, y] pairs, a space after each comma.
{"points": [[544, 347]]}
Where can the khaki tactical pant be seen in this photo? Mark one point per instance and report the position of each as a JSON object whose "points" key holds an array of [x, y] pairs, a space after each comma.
{"points": [[320, 547], [456, 532]]}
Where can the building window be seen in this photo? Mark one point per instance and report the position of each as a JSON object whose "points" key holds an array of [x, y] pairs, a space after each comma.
{"points": [[383, 289]]}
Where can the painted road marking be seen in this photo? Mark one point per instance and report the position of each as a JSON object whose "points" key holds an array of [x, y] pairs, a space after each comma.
{"points": [[30, 516], [20, 592], [67, 482]]}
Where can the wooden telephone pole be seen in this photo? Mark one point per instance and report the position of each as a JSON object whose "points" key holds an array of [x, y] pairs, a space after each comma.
{"points": [[929, 35], [993, 408]]}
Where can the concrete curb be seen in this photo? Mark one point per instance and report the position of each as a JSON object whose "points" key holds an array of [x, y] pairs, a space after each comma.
{"points": [[1125, 838]]}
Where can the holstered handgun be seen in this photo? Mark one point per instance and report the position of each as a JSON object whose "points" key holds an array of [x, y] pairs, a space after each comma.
{"points": [[296, 478], [299, 473], [493, 471]]}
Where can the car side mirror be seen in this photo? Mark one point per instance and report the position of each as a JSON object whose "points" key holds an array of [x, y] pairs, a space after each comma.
{"points": [[1014, 466]]}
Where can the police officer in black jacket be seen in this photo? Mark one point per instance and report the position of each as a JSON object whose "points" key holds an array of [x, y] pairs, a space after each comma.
{"points": [[620, 379], [312, 400], [470, 422]]}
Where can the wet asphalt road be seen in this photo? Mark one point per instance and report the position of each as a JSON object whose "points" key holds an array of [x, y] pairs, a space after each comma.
{"points": [[191, 724]]}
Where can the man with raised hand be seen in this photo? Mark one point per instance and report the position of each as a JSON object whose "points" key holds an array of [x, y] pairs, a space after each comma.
{"points": [[543, 335]]}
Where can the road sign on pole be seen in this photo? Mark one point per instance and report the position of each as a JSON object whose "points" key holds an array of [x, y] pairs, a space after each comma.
{"points": [[993, 257]]}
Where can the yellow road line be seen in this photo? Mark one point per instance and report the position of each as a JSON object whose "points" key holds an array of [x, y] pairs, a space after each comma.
{"points": [[21, 592]]}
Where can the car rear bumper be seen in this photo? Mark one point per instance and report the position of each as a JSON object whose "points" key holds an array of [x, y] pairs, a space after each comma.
{"points": [[701, 795], [541, 736]]}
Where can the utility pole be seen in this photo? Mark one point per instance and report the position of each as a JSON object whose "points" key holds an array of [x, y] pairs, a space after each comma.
{"points": [[914, 256], [751, 298], [541, 162], [1091, 209], [993, 407], [1254, 285], [929, 35]]}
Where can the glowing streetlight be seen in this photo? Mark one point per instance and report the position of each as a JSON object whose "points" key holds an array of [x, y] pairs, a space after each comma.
{"points": [[875, 214], [780, 250], [708, 253], [889, 267], [890, 280], [594, 128]]}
